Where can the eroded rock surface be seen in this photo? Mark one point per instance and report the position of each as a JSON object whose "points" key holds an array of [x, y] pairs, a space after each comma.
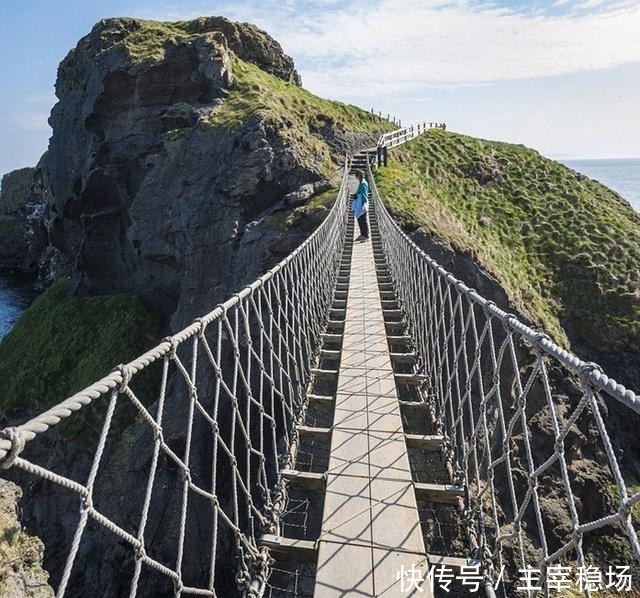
{"points": [[149, 197], [21, 573]]}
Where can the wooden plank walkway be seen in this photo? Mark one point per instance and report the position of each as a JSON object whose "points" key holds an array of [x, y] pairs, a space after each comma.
{"points": [[370, 529]]}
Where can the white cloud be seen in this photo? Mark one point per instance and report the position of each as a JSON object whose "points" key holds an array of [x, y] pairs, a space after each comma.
{"points": [[408, 45], [361, 48]]}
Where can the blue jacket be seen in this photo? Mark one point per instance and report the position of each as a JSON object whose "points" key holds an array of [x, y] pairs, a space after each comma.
{"points": [[360, 204]]}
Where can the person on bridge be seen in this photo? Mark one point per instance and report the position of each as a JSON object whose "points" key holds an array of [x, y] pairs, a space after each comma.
{"points": [[360, 205]]}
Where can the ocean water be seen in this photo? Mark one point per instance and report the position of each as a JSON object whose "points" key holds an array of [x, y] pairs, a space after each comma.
{"points": [[621, 175], [17, 291]]}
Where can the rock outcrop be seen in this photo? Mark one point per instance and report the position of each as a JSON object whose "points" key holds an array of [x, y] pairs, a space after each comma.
{"points": [[14, 208], [151, 195], [21, 573], [24, 209]]}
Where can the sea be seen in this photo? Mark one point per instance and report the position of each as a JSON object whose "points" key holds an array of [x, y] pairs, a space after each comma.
{"points": [[17, 291], [622, 175]]}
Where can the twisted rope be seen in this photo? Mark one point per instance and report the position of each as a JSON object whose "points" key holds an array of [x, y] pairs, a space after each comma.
{"points": [[238, 374], [493, 391]]}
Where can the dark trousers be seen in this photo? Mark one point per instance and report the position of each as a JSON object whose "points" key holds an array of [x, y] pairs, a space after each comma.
{"points": [[364, 226]]}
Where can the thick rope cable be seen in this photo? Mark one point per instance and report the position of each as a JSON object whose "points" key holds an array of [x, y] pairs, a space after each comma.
{"points": [[239, 374], [472, 352]]}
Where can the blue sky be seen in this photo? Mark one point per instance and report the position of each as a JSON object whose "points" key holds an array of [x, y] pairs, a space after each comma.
{"points": [[561, 76]]}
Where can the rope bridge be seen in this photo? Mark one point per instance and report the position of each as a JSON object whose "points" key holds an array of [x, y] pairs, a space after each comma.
{"points": [[522, 421]]}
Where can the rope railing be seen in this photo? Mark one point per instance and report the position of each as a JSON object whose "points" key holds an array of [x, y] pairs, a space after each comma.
{"points": [[527, 424], [531, 428], [205, 450]]}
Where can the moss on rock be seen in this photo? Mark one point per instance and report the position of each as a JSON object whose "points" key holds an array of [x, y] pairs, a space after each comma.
{"points": [[21, 573], [63, 343]]}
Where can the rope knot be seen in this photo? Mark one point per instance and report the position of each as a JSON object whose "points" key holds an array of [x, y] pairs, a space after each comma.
{"points": [[140, 552], [588, 368], [174, 345], [15, 437], [125, 372], [489, 305], [539, 339], [201, 326], [87, 503], [509, 322]]}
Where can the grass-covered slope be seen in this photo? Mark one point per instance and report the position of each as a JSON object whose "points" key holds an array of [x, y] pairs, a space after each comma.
{"points": [[61, 344], [298, 116], [564, 247]]}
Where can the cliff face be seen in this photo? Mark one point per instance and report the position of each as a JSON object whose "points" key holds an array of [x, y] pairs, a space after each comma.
{"points": [[173, 146], [154, 186], [14, 227], [21, 573]]}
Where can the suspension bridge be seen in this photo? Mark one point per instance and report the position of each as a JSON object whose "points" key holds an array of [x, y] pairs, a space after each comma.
{"points": [[356, 422]]}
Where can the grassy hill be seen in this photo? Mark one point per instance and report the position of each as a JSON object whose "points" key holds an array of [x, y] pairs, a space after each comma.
{"points": [[565, 248]]}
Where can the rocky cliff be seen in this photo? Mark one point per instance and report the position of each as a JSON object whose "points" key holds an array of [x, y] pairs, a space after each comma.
{"points": [[176, 150], [165, 151], [14, 227], [24, 219], [21, 572]]}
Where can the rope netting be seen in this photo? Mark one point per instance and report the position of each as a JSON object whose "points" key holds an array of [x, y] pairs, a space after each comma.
{"points": [[536, 434], [202, 456]]}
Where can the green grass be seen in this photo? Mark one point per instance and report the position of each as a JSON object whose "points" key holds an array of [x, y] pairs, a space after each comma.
{"points": [[288, 111], [293, 114], [565, 248], [61, 344], [633, 487], [146, 45]]}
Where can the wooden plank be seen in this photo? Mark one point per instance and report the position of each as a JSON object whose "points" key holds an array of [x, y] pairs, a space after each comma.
{"points": [[324, 374], [440, 493], [394, 327], [317, 434], [290, 549], [330, 354], [401, 339], [409, 358], [392, 313], [411, 379], [327, 400], [427, 442], [328, 337], [453, 562], [304, 479]]}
